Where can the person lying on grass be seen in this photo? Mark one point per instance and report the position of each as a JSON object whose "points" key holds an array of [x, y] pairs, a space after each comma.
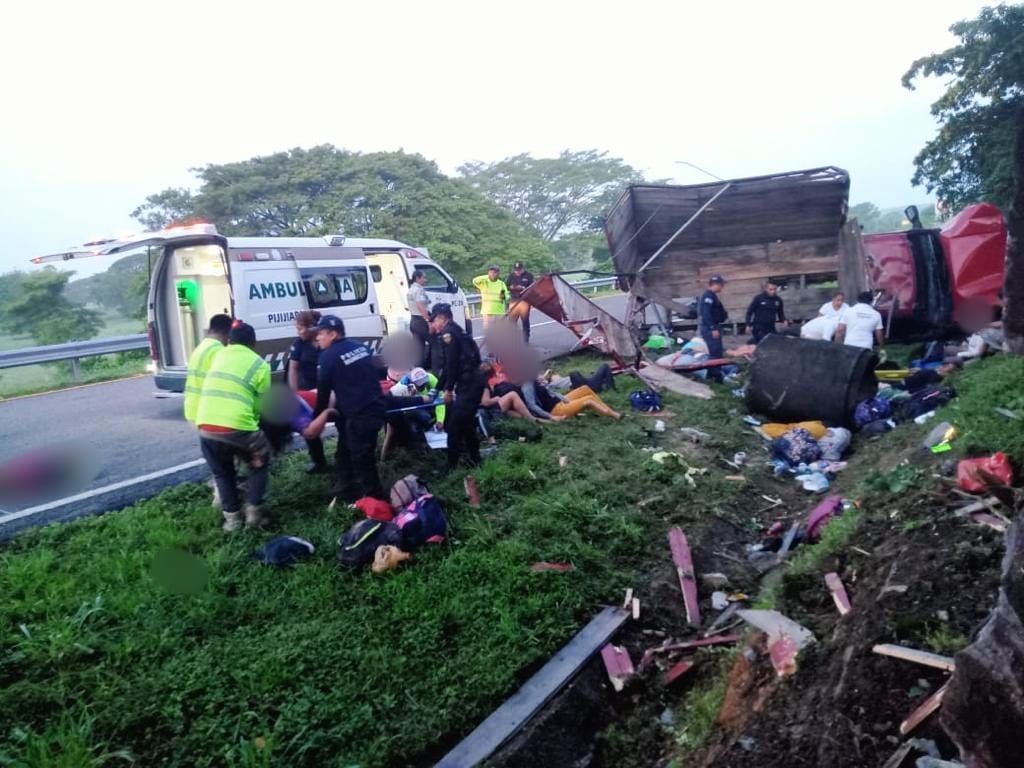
{"points": [[508, 401]]}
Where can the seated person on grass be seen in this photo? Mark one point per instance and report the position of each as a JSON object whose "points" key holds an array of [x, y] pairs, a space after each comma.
{"points": [[509, 402]]}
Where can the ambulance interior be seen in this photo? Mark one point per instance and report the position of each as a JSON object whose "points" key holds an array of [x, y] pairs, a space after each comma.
{"points": [[190, 286]]}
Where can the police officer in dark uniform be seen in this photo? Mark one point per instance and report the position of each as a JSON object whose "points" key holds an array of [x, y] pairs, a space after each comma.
{"points": [[518, 281], [347, 370], [462, 383], [712, 314], [763, 312]]}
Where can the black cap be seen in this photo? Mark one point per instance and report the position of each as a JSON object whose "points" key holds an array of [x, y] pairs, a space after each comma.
{"points": [[519, 265], [717, 278], [494, 267], [440, 309], [331, 323]]}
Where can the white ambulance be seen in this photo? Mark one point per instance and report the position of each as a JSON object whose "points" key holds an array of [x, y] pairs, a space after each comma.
{"points": [[197, 273]]}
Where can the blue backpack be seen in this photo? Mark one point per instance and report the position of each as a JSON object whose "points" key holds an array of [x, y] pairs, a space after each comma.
{"points": [[870, 410], [420, 522], [646, 400]]}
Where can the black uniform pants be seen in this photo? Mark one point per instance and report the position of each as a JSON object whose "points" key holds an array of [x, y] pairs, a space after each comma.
{"points": [[460, 424], [759, 331], [419, 329], [356, 458], [716, 348]]}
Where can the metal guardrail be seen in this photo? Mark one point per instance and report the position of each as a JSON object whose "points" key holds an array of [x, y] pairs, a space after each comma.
{"points": [[74, 350]]}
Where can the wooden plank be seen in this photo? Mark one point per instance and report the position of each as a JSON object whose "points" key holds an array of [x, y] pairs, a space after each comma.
{"points": [[662, 377], [983, 518], [693, 645], [896, 759], [918, 657], [524, 703], [684, 569], [618, 665], [853, 277], [839, 596], [677, 671], [924, 711]]}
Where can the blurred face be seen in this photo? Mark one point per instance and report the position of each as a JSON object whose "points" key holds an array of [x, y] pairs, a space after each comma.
{"points": [[422, 279], [519, 270], [325, 337], [717, 287], [438, 323], [305, 332], [492, 274], [837, 301], [771, 289]]}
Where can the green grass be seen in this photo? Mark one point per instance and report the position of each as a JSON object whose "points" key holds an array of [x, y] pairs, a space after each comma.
{"points": [[317, 665], [993, 382]]}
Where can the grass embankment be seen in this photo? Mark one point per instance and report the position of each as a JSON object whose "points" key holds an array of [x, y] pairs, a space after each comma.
{"points": [[31, 379], [316, 666]]}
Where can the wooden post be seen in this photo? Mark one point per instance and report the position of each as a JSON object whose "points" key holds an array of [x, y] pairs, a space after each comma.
{"points": [[853, 273]]}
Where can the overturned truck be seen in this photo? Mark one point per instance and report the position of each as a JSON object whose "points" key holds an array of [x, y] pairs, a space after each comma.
{"points": [[792, 228]]}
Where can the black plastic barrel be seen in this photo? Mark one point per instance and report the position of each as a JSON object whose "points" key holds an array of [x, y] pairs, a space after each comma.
{"points": [[794, 379]]}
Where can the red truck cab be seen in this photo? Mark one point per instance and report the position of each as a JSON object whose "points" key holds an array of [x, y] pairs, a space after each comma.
{"points": [[934, 279]]}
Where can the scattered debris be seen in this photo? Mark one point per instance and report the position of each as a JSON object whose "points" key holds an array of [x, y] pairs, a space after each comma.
{"points": [[714, 580], [839, 596], [472, 492], [677, 671], [919, 657], [333, 503], [829, 507], [719, 601], [736, 478], [684, 569], [636, 609], [618, 664], [629, 599], [862, 551], [695, 434], [563, 462], [548, 566], [896, 761], [723, 617], [922, 713], [996, 523], [1007, 413], [387, 557], [785, 638], [694, 644], [787, 542], [976, 475]]}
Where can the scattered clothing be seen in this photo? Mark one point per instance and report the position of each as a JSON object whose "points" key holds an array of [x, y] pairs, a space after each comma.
{"points": [[816, 429], [796, 446], [834, 443], [821, 328], [284, 551]]}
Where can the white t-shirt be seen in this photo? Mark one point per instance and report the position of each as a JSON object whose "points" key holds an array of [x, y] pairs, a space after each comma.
{"points": [[861, 321], [416, 294], [822, 328], [827, 310]]}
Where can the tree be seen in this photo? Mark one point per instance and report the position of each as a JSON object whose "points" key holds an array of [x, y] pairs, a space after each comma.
{"points": [[1013, 287], [971, 158], [41, 310], [382, 194], [554, 195], [873, 219], [122, 288], [164, 208]]}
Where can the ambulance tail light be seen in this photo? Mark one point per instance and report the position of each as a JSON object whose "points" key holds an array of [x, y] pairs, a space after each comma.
{"points": [[154, 353]]}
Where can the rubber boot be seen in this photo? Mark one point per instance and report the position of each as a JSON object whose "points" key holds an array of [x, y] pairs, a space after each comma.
{"points": [[254, 516], [232, 521]]}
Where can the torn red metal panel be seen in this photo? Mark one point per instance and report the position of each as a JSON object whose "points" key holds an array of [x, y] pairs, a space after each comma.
{"points": [[546, 566], [618, 664], [593, 326], [783, 652], [684, 568], [677, 671], [922, 713], [839, 596]]}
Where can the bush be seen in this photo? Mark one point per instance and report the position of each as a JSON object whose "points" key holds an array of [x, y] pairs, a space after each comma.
{"points": [[994, 382]]}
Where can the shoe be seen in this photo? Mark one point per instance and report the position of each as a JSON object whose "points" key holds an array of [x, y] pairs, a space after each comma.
{"points": [[232, 521], [254, 517], [315, 469], [216, 503]]}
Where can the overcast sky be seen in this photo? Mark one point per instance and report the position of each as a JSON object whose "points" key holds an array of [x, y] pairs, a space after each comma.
{"points": [[107, 102]]}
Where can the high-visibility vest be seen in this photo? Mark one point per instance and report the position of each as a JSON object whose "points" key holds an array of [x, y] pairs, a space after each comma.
{"points": [[232, 389], [493, 294], [198, 364]]}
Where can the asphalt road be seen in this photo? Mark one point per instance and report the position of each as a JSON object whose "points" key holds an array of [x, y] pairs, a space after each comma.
{"points": [[129, 433]]}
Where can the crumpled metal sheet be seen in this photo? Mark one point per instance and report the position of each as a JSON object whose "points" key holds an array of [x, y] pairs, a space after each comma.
{"points": [[593, 326]]}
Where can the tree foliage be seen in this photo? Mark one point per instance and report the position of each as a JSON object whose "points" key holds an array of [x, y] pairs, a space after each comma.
{"points": [[122, 288], [322, 190], [873, 219], [35, 304], [554, 196], [971, 158]]}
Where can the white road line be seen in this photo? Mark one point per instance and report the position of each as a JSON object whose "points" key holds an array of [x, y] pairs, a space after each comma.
{"points": [[10, 517]]}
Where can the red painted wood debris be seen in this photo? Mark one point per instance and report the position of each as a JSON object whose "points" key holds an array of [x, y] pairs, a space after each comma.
{"points": [[694, 644], [839, 596], [677, 671], [618, 664], [991, 521], [684, 568], [546, 566], [472, 492], [922, 713]]}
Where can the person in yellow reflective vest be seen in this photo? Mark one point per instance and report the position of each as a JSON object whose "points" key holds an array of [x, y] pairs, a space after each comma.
{"points": [[228, 417], [493, 294], [200, 360]]}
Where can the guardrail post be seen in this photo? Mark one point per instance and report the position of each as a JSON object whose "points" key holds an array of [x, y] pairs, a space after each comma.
{"points": [[76, 369]]}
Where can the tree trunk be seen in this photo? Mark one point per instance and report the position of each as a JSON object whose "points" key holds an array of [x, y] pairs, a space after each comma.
{"points": [[1013, 287]]}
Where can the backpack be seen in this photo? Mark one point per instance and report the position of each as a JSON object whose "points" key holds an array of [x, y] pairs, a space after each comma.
{"points": [[924, 400], [405, 491], [797, 447], [375, 509], [421, 522], [646, 400], [870, 410], [357, 546]]}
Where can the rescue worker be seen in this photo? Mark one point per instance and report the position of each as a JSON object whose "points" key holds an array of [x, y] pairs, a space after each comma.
{"points": [[861, 325], [764, 311], [201, 358], [419, 312], [228, 415], [303, 359], [493, 294], [519, 281], [712, 314], [347, 370], [462, 384]]}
